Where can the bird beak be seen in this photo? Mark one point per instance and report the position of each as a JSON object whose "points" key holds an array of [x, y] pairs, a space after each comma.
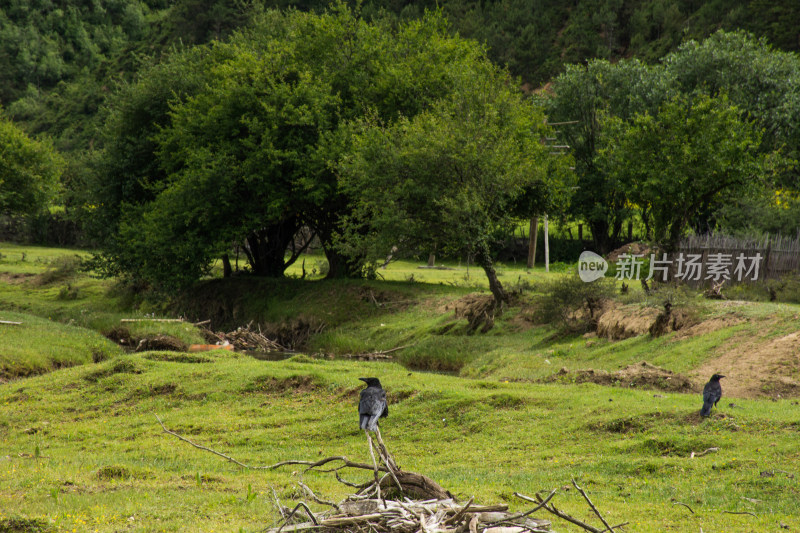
{"points": [[363, 379]]}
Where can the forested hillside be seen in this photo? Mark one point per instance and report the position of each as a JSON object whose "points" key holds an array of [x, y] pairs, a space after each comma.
{"points": [[59, 59], [68, 69]]}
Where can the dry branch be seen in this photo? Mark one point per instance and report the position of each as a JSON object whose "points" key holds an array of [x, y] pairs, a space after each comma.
{"points": [[564, 516], [586, 497], [374, 356], [247, 339], [701, 454]]}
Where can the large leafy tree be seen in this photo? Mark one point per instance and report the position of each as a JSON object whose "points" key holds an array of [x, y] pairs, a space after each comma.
{"points": [[241, 147], [451, 176], [29, 171], [582, 96], [689, 153], [762, 82]]}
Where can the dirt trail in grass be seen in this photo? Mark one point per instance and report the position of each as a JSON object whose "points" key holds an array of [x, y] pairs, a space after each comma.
{"points": [[756, 365]]}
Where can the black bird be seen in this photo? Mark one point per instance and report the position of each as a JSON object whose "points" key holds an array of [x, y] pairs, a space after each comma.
{"points": [[372, 405], [712, 392]]}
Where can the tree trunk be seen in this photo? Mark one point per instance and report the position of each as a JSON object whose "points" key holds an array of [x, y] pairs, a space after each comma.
{"points": [[227, 270], [533, 234], [266, 247], [602, 241], [339, 266], [483, 259]]}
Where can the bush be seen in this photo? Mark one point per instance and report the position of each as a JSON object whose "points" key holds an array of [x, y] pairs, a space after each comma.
{"points": [[569, 303], [61, 269]]}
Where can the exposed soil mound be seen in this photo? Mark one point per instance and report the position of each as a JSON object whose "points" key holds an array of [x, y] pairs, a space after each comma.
{"points": [[122, 336], [708, 326], [15, 278], [161, 343], [299, 384], [642, 375], [293, 334], [477, 308], [756, 366], [626, 321], [634, 248], [623, 322]]}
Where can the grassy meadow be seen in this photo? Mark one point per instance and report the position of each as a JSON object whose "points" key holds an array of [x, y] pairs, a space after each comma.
{"points": [[81, 448]]}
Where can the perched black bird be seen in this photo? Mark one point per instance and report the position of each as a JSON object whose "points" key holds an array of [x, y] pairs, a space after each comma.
{"points": [[712, 392], [372, 405]]}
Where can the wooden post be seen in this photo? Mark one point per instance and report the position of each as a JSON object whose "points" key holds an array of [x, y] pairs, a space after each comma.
{"points": [[580, 232], [546, 246], [630, 230], [533, 234], [431, 260]]}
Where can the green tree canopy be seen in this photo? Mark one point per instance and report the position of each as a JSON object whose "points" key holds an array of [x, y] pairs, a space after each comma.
{"points": [[584, 94], [29, 171], [449, 177], [238, 142], [689, 153]]}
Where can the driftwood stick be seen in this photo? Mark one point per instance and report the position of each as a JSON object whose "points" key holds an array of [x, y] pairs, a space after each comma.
{"points": [[291, 514], [456, 517], [346, 463], [473, 524], [526, 513], [184, 439], [552, 509], [374, 462], [741, 512], [524, 527], [701, 454], [387, 459], [349, 483], [314, 497], [681, 503], [586, 497], [278, 504]]}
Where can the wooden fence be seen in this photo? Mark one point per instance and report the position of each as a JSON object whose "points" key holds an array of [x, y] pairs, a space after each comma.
{"points": [[778, 256]]}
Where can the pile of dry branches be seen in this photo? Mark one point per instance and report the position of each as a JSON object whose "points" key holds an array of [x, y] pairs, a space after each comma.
{"points": [[396, 500], [247, 339], [410, 516]]}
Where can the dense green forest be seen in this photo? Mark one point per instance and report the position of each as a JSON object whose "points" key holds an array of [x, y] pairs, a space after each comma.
{"points": [[60, 59], [285, 111]]}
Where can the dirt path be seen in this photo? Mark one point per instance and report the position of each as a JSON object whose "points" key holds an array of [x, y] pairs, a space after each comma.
{"points": [[756, 365]]}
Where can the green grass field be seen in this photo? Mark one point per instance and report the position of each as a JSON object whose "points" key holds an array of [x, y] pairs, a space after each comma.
{"points": [[81, 449]]}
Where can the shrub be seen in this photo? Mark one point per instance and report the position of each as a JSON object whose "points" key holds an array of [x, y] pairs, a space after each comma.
{"points": [[569, 303], [61, 269]]}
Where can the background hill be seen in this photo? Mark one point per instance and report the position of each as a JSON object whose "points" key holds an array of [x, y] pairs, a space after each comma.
{"points": [[60, 59]]}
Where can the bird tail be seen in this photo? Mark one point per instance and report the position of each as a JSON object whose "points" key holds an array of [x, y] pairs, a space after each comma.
{"points": [[706, 410], [369, 423]]}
